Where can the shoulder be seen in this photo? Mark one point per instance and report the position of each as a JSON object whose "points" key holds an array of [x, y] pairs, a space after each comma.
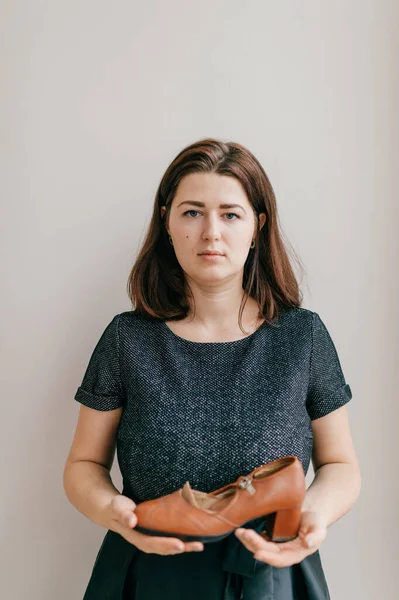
{"points": [[294, 327], [297, 317], [132, 316], [133, 322]]}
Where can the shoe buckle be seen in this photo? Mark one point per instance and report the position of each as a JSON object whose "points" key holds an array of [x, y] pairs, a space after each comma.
{"points": [[245, 483]]}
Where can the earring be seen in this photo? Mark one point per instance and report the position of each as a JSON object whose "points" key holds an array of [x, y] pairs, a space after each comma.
{"points": [[253, 244], [170, 241]]}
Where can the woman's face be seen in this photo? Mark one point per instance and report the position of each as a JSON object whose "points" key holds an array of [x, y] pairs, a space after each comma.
{"points": [[198, 221]]}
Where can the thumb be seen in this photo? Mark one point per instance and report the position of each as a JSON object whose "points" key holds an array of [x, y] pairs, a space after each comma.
{"points": [[129, 518], [123, 508], [308, 535], [313, 535]]}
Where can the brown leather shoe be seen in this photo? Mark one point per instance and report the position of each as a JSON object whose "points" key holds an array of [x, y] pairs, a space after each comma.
{"points": [[274, 491]]}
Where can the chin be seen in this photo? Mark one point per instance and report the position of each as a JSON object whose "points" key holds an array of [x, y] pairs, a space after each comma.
{"points": [[213, 276]]}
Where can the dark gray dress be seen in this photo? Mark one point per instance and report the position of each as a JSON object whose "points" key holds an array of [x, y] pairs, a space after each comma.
{"points": [[208, 412]]}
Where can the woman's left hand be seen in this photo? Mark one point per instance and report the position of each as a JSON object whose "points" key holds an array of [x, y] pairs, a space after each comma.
{"points": [[313, 530]]}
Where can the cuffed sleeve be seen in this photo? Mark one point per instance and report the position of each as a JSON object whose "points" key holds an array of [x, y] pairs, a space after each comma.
{"points": [[101, 386], [328, 389]]}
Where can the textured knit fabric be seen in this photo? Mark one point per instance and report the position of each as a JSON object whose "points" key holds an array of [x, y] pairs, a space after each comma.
{"points": [[208, 412]]}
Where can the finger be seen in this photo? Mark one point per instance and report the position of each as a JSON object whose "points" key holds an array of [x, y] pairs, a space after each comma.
{"points": [[121, 504], [178, 546], [254, 542], [313, 536], [290, 553], [124, 521], [159, 545], [167, 545], [131, 519], [280, 560], [306, 528], [193, 547]]}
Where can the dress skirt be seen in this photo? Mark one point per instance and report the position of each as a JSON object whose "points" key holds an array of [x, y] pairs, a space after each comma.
{"points": [[224, 570]]}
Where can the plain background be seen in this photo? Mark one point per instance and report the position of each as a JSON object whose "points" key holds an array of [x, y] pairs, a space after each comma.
{"points": [[97, 99]]}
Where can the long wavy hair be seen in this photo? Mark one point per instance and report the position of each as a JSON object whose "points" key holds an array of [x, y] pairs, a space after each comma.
{"points": [[156, 284]]}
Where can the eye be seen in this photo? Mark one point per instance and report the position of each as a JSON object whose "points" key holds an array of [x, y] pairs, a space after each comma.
{"points": [[196, 211]]}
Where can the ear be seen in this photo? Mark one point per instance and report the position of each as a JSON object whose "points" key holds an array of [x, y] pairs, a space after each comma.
{"points": [[163, 210], [262, 220]]}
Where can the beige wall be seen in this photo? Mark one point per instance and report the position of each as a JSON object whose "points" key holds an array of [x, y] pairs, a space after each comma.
{"points": [[97, 98]]}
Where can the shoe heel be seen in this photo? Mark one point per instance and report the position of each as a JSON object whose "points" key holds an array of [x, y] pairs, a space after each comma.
{"points": [[283, 525]]}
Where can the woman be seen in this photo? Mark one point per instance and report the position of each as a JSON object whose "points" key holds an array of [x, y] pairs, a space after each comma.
{"points": [[215, 371]]}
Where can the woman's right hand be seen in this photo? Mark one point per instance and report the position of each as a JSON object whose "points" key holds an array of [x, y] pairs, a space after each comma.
{"points": [[122, 519]]}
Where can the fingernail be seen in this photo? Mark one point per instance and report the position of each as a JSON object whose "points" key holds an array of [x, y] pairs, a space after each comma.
{"points": [[310, 542]]}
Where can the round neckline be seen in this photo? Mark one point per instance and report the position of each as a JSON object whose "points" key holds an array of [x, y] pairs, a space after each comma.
{"points": [[214, 344]]}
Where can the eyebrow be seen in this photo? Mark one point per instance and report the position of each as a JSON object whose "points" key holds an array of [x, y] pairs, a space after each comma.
{"points": [[201, 204]]}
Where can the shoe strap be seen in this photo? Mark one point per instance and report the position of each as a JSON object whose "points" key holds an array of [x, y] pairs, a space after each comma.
{"points": [[245, 483]]}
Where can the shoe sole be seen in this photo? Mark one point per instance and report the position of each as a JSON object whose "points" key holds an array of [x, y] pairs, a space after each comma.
{"points": [[209, 539]]}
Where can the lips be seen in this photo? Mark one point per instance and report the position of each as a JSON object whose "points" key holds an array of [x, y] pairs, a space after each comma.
{"points": [[212, 253]]}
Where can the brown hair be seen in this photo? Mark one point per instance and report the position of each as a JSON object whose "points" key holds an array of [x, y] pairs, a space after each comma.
{"points": [[156, 284]]}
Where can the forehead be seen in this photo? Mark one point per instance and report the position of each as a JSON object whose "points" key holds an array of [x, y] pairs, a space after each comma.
{"points": [[211, 189]]}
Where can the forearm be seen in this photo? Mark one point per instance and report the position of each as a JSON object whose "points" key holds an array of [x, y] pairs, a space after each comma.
{"points": [[88, 486], [333, 491]]}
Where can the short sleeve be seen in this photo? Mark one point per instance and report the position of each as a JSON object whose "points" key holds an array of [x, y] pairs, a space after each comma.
{"points": [[328, 389], [101, 386]]}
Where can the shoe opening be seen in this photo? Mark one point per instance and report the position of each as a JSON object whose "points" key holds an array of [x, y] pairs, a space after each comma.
{"points": [[274, 467]]}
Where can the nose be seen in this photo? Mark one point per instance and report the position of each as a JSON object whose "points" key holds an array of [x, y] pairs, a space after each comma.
{"points": [[211, 230]]}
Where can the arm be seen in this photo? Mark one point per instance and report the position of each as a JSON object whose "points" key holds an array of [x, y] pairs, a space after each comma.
{"points": [[333, 491], [88, 484], [86, 478], [337, 481]]}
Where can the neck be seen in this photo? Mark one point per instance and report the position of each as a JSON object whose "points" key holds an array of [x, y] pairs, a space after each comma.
{"points": [[217, 310]]}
